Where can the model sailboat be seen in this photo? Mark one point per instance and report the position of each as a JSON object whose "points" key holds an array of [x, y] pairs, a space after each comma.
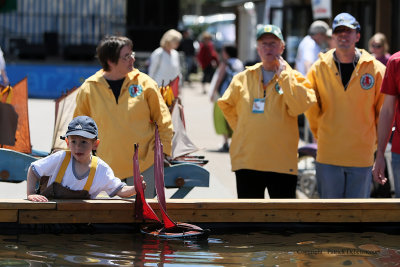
{"points": [[165, 228]]}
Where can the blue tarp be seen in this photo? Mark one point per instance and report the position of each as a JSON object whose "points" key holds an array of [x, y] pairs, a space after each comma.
{"points": [[49, 81]]}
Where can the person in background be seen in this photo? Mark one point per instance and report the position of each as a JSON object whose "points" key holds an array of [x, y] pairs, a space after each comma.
{"points": [[307, 53], [164, 61], [187, 46], [75, 173], [207, 58], [390, 113], [311, 45], [261, 105], [346, 81], [379, 47], [3, 72], [229, 66], [330, 42], [126, 103]]}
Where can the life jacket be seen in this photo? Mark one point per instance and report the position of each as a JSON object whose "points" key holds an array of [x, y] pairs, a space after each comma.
{"points": [[58, 191]]}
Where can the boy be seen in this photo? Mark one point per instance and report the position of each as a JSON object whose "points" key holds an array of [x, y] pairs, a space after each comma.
{"points": [[75, 173]]}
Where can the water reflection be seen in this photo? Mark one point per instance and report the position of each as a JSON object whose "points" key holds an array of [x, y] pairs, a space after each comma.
{"points": [[259, 248]]}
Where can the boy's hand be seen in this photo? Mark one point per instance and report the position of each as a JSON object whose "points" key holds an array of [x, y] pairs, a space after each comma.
{"points": [[37, 198], [143, 182], [144, 185]]}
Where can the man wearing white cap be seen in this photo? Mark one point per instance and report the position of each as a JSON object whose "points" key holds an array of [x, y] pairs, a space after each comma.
{"points": [[347, 83], [311, 45]]}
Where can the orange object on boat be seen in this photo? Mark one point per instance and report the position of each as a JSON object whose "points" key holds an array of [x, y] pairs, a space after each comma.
{"points": [[19, 100]]}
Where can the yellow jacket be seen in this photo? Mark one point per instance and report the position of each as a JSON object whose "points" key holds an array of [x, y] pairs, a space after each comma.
{"points": [[344, 122], [128, 122], [266, 141]]}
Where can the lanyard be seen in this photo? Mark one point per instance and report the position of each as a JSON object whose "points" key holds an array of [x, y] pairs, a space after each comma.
{"points": [[259, 103], [261, 86]]}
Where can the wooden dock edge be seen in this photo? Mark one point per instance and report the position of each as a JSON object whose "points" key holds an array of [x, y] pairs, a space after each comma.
{"points": [[205, 211]]}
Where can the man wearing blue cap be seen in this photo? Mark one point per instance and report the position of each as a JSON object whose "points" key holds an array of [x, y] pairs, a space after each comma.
{"points": [[261, 105], [347, 83]]}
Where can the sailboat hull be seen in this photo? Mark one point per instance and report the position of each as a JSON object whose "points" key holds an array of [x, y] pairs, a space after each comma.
{"points": [[180, 231]]}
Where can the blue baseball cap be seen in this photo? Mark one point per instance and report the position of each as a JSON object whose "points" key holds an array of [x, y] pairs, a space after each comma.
{"points": [[347, 20], [83, 126]]}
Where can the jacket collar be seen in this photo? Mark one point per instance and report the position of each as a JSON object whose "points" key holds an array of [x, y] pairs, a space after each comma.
{"points": [[328, 57], [259, 65], [98, 76]]}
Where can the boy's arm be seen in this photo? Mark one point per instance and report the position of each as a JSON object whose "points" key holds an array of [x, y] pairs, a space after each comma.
{"points": [[127, 191], [32, 180]]}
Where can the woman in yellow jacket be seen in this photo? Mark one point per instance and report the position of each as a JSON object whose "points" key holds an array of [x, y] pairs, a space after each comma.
{"points": [[125, 103], [261, 105]]}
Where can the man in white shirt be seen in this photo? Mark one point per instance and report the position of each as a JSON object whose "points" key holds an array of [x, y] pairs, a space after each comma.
{"points": [[311, 46]]}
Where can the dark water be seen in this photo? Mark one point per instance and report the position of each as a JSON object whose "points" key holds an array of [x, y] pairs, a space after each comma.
{"points": [[222, 248]]}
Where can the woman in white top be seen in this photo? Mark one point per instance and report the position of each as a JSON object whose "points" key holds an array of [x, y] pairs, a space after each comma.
{"points": [[164, 61], [3, 72]]}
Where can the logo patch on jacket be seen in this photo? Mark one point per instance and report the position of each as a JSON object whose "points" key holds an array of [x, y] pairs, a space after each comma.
{"points": [[367, 81], [135, 90]]}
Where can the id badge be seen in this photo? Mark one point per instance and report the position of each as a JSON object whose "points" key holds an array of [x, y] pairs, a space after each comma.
{"points": [[258, 105]]}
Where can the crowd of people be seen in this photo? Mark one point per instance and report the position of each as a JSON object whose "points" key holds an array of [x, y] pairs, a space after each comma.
{"points": [[347, 94]]}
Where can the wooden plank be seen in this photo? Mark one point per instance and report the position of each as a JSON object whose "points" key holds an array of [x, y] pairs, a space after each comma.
{"points": [[127, 216], [8, 215], [25, 204], [390, 204], [229, 203], [339, 216], [116, 204], [84, 216], [122, 211]]}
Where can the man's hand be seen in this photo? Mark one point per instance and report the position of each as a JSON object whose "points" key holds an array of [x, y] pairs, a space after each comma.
{"points": [[378, 170], [280, 66]]}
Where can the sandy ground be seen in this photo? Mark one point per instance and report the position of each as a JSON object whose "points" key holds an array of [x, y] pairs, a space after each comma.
{"points": [[199, 124]]}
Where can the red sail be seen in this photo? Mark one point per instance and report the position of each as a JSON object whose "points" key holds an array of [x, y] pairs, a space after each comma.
{"points": [[142, 208], [159, 180]]}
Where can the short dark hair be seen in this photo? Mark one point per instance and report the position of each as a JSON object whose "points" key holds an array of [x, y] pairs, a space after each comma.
{"points": [[230, 50], [109, 49]]}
